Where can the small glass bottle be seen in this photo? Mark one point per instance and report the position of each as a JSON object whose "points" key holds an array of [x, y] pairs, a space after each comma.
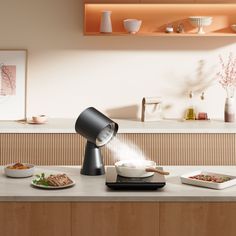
{"points": [[190, 113]]}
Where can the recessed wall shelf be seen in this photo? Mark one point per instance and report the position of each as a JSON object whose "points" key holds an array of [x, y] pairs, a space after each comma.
{"points": [[155, 17], [161, 34]]}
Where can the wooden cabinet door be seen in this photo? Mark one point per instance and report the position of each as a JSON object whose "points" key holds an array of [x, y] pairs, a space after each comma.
{"points": [[115, 219], [35, 219], [194, 219]]}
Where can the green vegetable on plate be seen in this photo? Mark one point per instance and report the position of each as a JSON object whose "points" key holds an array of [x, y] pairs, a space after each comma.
{"points": [[41, 180]]}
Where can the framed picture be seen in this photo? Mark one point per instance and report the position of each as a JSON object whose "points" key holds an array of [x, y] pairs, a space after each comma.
{"points": [[13, 64]]}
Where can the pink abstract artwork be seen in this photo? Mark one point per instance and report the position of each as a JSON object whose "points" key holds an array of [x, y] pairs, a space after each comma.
{"points": [[8, 80]]}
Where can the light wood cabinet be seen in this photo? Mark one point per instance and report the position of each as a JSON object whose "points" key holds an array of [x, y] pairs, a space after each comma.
{"points": [[35, 219], [118, 219], [115, 218], [194, 219]]}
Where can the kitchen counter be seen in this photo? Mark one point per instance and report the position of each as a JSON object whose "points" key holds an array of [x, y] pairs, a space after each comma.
{"points": [[89, 208], [125, 126], [89, 188]]}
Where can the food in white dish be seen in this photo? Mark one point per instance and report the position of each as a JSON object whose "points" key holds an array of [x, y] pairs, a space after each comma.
{"points": [[134, 168], [136, 163], [211, 178], [19, 166], [19, 170], [57, 180], [208, 179]]}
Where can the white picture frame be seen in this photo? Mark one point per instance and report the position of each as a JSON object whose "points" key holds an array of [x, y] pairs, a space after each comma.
{"points": [[13, 80]]}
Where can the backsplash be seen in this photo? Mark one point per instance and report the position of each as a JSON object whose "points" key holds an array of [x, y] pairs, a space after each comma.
{"points": [[68, 71]]}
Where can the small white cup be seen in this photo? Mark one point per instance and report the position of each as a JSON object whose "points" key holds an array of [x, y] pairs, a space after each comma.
{"points": [[132, 26], [39, 118]]}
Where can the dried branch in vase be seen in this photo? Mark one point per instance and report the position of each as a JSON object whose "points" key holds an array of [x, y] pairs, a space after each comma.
{"points": [[227, 75]]}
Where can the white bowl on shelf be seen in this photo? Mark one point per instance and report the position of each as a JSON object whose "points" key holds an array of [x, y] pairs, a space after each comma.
{"points": [[132, 26], [200, 22], [233, 27]]}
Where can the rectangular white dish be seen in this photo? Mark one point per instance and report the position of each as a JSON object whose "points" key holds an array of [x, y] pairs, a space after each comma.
{"points": [[185, 179]]}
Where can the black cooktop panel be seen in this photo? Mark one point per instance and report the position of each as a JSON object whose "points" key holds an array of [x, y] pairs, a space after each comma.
{"points": [[117, 182]]}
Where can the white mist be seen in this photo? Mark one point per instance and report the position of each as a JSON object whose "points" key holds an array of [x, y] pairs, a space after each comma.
{"points": [[125, 151]]}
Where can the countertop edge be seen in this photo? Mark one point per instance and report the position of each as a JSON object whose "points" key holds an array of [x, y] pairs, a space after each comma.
{"points": [[66, 126], [118, 199]]}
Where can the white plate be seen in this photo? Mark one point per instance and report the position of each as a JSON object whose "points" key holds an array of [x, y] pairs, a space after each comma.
{"points": [[186, 180], [53, 187]]}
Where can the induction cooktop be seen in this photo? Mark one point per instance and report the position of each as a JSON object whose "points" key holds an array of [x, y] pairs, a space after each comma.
{"points": [[117, 182]]}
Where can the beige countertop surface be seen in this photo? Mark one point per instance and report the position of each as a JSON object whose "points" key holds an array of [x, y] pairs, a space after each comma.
{"points": [[93, 188], [125, 126]]}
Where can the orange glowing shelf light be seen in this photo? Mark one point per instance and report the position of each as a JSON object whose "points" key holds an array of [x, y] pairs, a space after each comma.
{"points": [[155, 17]]}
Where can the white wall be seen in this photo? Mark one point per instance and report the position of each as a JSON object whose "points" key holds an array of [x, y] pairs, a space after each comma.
{"points": [[68, 71]]}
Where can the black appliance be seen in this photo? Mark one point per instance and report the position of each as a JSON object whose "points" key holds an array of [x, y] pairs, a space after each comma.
{"points": [[117, 182]]}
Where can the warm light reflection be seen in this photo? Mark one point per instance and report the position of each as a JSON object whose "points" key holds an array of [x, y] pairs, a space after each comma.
{"points": [[137, 6], [155, 17]]}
